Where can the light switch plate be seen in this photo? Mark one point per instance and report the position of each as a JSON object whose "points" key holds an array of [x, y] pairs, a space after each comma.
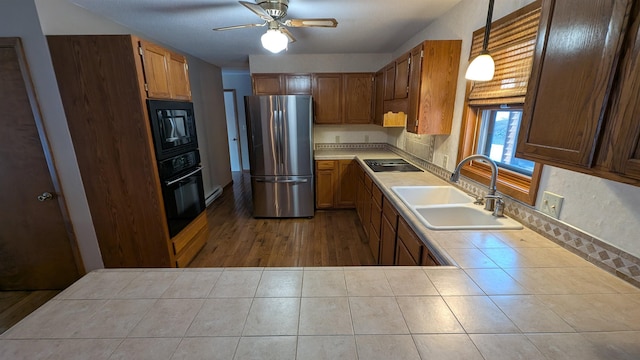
{"points": [[551, 204]]}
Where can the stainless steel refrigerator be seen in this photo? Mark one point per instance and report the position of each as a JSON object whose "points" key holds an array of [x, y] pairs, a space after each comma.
{"points": [[280, 134]]}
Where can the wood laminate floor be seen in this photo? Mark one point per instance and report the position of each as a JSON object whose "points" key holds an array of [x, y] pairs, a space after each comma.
{"points": [[15, 305], [330, 238]]}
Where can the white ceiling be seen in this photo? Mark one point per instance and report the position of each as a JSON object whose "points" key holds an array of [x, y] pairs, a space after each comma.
{"points": [[364, 26]]}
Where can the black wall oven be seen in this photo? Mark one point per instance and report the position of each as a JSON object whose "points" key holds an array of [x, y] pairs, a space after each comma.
{"points": [[174, 135]]}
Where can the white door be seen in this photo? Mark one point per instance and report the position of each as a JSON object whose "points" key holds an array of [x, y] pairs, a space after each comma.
{"points": [[232, 129]]}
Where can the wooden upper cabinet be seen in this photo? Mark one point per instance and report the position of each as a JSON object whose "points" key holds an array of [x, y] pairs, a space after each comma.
{"points": [[401, 86], [327, 98], [358, 96], [267, 84], [622, 154], [156, 70], [378, 98], [576, 58], [389, 81], [179, 76], [297, 84], [433, 80], [281, 84], [166, 73]]}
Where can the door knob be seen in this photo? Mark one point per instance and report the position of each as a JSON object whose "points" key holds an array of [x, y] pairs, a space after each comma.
{"points": [[45, 196]]}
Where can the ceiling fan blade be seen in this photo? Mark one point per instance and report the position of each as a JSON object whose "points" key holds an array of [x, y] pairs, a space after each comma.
{"points": [[311, 22], [237, 27], [258, 10], [288, 34]]}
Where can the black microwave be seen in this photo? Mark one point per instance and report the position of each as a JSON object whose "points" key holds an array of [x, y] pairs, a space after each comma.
{"points": [[173, 126]]}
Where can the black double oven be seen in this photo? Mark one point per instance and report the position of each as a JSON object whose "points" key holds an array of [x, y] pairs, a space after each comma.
{"points": [[176, 145]]}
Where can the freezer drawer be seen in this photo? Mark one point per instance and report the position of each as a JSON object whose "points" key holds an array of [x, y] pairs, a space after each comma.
{"points": [[282, 196]]}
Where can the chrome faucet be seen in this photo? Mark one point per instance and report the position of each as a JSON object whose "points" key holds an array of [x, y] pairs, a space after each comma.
{"points": [[491, 197]]}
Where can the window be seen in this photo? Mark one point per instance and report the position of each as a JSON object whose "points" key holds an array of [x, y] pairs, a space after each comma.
{"points": [[493, 109], [498, 135]]}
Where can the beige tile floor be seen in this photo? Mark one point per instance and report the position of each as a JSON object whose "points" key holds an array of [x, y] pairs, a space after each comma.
{"points": [[541, 309]]}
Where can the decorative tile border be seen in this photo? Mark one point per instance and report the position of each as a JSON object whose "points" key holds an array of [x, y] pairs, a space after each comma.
{"points": [[332, 146]]}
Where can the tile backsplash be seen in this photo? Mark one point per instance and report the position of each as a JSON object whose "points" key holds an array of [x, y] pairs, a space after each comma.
{"points": [[596, 251]]}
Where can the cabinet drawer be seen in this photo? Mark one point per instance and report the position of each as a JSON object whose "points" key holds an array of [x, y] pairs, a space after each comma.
{"points": [[390, 213], [428, 259], [326, 164], [376, 193], [190, 240], [410, 240]]}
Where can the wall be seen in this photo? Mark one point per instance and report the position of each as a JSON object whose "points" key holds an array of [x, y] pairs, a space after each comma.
{"points": [[606, 210], [240, 80], [208, 103], [20, 18]]}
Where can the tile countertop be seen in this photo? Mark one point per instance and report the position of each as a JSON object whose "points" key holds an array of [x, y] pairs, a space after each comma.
{"points": [[512, 295], [337, 313]]}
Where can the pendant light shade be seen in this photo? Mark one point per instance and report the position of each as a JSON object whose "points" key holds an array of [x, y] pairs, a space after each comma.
{"points": [[274, 40], [483, 67]]}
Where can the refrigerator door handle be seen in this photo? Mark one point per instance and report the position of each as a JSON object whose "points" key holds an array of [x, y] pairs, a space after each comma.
{"points": [[281, 139], [288, 181]]}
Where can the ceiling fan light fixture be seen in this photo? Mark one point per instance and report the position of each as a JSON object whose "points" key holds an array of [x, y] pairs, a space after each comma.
{"points": [[274, 40]]}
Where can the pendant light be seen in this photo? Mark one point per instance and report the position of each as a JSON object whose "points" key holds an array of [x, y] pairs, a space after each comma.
{"points": [[483, 66]]}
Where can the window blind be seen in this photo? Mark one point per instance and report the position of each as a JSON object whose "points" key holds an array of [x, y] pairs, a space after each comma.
{"points": [[511, 44]]}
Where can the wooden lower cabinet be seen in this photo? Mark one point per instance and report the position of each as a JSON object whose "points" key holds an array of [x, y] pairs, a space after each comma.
{"points": [[408, 247], [388, 233], [190, 240], [375, 222], [336, 184]]}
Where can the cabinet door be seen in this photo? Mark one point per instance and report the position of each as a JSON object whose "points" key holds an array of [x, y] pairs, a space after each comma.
{"points": [[179, 75], [358, 94], [387, 242], [267, 84], [415, 73], [327, 98], [378, 99], [403, 257], [155, 63], [389, 81], [401, 88], [409, 242], [326, 173], [297, 84], [623, 130], [346, 185], [374, 243], [576, 56]]}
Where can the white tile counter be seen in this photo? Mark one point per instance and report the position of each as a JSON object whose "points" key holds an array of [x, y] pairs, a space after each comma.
{"points": [[489, 312]]}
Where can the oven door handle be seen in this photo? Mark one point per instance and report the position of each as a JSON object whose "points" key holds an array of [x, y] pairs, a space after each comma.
{"points": [[168, 183], [289, 181]]}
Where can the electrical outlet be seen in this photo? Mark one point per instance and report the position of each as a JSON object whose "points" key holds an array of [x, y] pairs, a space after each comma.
{"points": [[445, 161], [337, 139], [366, 139], [551, 204]]}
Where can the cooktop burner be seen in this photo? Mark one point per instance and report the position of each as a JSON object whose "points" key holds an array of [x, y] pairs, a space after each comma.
{"points": [[384, 165]]}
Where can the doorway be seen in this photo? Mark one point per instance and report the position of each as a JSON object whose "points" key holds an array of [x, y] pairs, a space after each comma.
{"points": [[233, 129], [37, 246]]}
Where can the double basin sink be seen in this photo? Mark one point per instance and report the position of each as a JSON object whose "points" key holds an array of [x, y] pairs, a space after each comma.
{"points": [[447, 208]]}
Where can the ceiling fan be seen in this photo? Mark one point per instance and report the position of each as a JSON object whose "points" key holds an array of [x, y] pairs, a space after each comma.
{"points": [[273, 13]]}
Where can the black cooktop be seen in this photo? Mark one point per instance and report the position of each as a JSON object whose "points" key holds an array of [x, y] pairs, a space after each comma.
{"points": [[385, 165]]}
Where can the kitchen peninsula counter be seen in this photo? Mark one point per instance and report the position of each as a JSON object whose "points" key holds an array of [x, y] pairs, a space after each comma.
{"points": [[570, 310]]}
